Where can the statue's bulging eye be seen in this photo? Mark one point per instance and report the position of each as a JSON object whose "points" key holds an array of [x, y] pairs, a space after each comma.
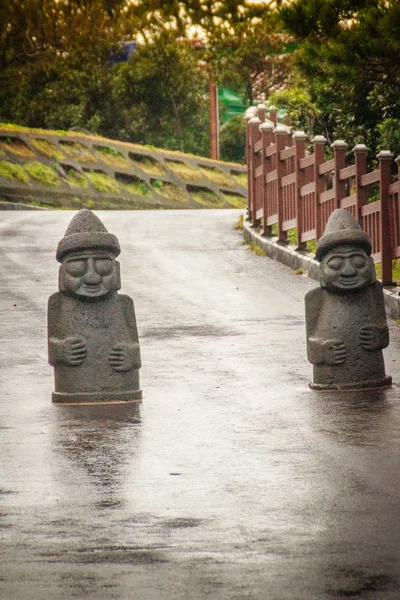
{"points": [[76, 268], [358, 261], [103, 266], [335, 263]]}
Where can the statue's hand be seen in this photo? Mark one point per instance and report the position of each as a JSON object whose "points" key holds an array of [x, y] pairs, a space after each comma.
{"points": [[373, 337], [69, 351], [124, 357], [314, 350], [334, 352]]}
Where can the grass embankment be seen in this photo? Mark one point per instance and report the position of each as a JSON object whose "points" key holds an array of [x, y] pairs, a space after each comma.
{"points": [[81, 170]]}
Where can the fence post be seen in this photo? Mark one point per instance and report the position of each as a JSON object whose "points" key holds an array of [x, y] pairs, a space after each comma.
{"points": [[319, 150], [395, 213], [261, 110], [385, 158], [360, 152], [397, 161], [289, 139], [273, 115], [299, 140], [280, 139], [267, 135], [250, 112], [339, 156], [254, 161]]}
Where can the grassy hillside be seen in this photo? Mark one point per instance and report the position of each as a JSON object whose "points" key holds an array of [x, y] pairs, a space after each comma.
{"points": [[57, 169]]}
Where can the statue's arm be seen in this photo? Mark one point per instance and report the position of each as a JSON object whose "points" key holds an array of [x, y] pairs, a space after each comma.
{"points": [[314, 345], [379, 302], [331, 351], [53, 317], [375, 334], [129, 315], [69, 350], [125, 356]]}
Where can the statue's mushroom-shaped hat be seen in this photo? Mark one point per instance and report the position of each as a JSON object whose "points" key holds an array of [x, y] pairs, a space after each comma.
{"points": [[86, 231], [342, 228]]}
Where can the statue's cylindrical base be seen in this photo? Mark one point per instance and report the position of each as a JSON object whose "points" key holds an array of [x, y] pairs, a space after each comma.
{"points": [[97, 397], [360, 385]]}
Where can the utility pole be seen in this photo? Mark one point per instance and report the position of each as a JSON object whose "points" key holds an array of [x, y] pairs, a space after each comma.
{"points": [[214, 120]]}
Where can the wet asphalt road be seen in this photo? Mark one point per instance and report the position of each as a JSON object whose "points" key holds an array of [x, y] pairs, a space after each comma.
{"points": [[232, 480]]}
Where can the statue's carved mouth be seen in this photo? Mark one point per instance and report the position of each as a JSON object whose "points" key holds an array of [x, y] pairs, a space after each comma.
{"points": [[92, 289], [349, 282]]}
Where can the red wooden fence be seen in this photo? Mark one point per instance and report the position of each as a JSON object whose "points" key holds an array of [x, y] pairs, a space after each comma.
{"points": [[293, 187]]}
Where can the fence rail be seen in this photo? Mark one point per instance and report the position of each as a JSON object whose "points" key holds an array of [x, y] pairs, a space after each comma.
{"points": [[292, 187]]}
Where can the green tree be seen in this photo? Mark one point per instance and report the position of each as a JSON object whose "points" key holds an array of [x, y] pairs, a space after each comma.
{"points": [[56, 72], [347, 63], [163, 97], [53, 62], [245, 50], [232, 140]]}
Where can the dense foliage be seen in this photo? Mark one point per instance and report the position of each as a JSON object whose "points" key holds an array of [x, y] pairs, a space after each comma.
{"points": [[232, 138], [58, 70], [59, 65], [346, 80]]}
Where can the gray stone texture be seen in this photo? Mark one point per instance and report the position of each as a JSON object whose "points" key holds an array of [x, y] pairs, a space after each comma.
{"points": [[345, 318], [92, 334]]}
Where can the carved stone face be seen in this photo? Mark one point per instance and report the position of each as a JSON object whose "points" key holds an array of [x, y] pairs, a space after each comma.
{"points": [[347, 268], [89, 274]]}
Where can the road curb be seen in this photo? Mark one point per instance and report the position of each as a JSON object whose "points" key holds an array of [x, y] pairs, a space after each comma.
{"points": [[306, 261], [19, 206]]}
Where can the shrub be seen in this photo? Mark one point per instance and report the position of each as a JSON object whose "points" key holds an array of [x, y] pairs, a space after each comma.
{"points": [[42, 173], [13, 172], [232, 140]]}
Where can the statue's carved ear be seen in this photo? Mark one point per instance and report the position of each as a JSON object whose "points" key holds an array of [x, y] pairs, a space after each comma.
{"points": [[373, 271], [61, 285], [118, 269]]}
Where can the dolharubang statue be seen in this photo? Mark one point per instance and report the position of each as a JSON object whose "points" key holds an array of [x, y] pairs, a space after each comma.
{"points": [[345, 318], [92, 333]]}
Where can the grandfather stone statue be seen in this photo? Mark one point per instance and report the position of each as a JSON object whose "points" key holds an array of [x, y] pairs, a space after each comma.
{"points": [[92, 333], [345, 317]]}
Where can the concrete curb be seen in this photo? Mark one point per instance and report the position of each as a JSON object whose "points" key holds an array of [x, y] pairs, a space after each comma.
{"points": [[18, 206], [306, 261]]}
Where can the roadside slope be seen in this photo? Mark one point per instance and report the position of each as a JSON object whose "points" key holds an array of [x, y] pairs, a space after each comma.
{"points": [[54, 169]]}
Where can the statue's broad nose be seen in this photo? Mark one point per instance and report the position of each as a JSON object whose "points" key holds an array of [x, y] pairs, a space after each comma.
{"points": [[348, 269], [91, 276]]}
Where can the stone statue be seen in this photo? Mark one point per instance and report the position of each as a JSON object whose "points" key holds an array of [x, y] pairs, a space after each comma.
{"points": [[345, 317], [92, 333]]}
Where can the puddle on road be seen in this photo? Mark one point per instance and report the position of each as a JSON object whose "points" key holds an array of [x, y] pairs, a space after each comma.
{"points": [[284, 321], [188, 331], [182, 523], [111, 555], [361, 418], [356, 583], [99, 442]]}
